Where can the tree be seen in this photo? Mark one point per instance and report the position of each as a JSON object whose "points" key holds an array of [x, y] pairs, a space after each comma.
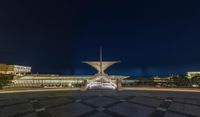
{"points": [[181, 81], [195, 79], [4, 80]]}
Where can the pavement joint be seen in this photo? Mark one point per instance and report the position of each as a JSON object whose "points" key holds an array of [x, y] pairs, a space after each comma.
{"points": [[114, 114], [22, 114], [149, 106], [7, 105], [163, 107], [182, 114], [39, 109], [78, 100], [123, 100], [100, 109]]}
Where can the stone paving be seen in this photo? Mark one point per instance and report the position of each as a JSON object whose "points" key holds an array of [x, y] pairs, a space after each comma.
{"points": [[100, 104]]}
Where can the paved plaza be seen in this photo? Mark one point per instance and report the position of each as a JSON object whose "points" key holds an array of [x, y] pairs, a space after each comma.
{"points": [[100, 103]]}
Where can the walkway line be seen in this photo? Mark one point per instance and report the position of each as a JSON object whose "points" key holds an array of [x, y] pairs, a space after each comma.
{"points": [[160, 89], [124, 89]]}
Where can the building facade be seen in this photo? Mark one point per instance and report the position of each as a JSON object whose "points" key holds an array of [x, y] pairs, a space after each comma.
{"points": [[14, 69], [193, 74], [42, 80]]}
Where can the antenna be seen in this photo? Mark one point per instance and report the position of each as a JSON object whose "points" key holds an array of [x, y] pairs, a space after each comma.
{"points": [[101, 59], [100, 53]]}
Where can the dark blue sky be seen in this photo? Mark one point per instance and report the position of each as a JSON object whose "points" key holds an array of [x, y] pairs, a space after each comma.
{"points": [[149, 37]]}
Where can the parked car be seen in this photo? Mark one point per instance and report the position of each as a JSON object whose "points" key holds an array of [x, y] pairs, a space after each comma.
{"points": [[158, 85], [195, 85], [171, 85]]}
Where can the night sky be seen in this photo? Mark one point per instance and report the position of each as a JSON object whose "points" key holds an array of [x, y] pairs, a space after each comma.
{"points": [[157, 37]]}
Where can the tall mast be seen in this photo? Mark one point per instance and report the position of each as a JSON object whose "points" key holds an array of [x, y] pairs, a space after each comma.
{"points": [[101, 59]]}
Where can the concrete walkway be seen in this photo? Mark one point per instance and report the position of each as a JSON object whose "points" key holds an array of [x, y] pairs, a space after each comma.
{"points": [[100, 103]]}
